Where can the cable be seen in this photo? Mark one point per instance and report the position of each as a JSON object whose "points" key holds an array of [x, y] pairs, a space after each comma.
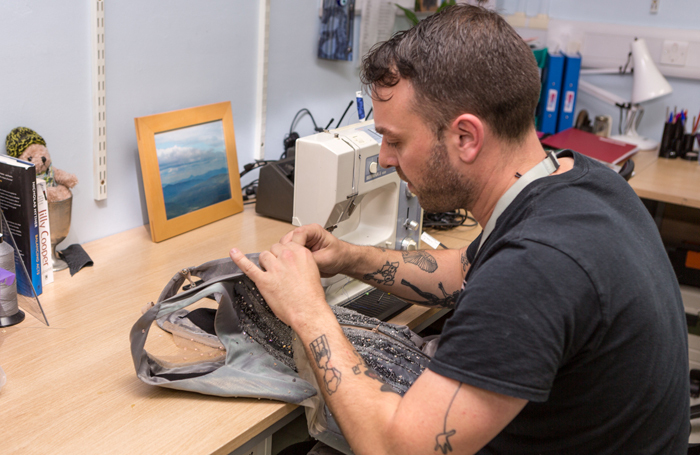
{"points": [[249, 192], [304, 110], [254, 165], [447, 220], [346, 111]]}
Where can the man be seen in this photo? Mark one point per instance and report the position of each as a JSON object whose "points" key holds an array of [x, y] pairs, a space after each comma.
{"points": [[568, 335]]}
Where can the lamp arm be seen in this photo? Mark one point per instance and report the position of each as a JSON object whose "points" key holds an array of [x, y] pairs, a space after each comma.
{"points": [[602, 94], [602, 71]]}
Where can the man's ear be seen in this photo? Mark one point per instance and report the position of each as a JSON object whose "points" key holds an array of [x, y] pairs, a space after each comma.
{"points": [[467, 132]]}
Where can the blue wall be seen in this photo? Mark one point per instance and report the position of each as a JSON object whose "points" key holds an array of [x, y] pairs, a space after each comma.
{"points": [[179, 54]]}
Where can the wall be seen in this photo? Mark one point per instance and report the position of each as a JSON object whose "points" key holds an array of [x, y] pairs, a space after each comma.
{"points": [[158, 58], [297, 79], [681, 14], [185, 54]]}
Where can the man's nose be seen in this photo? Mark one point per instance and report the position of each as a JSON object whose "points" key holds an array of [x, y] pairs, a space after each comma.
{"points": [[386, 158]]}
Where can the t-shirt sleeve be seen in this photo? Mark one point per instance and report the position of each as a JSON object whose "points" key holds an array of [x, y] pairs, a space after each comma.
{"points": [[523, 314]]}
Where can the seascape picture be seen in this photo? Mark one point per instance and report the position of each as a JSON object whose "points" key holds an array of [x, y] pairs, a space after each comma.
{"points": [[193, 168]]}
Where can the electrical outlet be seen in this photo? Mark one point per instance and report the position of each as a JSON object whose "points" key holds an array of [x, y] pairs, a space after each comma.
{"points": [[654, 6], [674, 52]]}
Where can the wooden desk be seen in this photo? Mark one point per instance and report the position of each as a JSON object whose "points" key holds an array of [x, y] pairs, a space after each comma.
{"points": [[674, 181], [72, 387]]}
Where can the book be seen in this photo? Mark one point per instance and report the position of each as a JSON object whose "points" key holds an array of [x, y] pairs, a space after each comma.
{"points": [[44, 233], [603, 149], [569, 91], [18, 201], [548, 107]]}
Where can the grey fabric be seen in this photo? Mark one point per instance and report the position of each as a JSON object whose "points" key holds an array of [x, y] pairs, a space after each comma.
{"points": [[263, 354], [248, 369]]}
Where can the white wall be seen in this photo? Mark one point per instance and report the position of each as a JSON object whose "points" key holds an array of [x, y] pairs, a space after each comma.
{"points": [[162, 56], [297, 79], [680, 14], [159, 57]]}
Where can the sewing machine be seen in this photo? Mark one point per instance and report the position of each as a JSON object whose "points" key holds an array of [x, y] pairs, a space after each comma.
{"points": [[340, 185]]}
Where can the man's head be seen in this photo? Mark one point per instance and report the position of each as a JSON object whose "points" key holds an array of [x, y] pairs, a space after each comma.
{"points": [[465, 59]]}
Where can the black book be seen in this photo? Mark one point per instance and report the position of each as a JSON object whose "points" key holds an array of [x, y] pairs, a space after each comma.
{"points": [[18, 201]]}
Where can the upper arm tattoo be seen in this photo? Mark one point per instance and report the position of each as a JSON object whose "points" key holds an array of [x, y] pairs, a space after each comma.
{"points": [[321, 351], [465, 261], [442, 441], [385, 275], [446, 301], [422, 259]]}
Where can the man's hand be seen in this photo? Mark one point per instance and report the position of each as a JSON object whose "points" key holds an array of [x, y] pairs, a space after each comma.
{"points": [[289, 281], [331, 255]]}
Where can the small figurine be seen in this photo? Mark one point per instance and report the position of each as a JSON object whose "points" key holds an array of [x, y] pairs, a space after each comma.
{"points": [[27, 145]]}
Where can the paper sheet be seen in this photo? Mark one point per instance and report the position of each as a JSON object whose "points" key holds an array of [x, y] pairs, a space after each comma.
{"points": [[377, 24]]}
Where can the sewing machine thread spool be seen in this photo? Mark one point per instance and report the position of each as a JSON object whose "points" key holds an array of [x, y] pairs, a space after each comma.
{"points": [[10, 314], [360, 105]]}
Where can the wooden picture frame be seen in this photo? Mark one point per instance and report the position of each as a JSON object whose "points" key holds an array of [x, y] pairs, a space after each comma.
{"points": [[189, 167]]}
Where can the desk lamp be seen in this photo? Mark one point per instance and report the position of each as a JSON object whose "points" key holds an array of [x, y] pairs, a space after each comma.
{"points": [[648, 84]]}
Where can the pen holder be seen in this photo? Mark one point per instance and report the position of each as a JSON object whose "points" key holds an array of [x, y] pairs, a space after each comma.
{"points": [[666, 149], [687, 144]]}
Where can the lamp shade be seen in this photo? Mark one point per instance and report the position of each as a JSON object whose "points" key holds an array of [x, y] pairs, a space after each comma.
{"points": [[649, 83]]}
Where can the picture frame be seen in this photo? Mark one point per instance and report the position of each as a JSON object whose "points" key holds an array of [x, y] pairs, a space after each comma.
{"points": [[189, 167]]}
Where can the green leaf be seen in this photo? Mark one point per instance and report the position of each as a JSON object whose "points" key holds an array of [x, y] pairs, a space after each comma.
{"points": [[410, 15]]}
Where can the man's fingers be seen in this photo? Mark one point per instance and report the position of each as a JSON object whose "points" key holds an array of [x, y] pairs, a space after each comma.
{"points": [[287, 237], [266, 258], [299, 237], [245, 264], [276, 249]]}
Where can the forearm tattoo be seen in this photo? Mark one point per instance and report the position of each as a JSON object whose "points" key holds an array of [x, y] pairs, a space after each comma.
{"points": [[446, 301], [321, 351], [424, 260], [385, 275], [357, 369], [360, 362], [370, 373], [442, 440]]}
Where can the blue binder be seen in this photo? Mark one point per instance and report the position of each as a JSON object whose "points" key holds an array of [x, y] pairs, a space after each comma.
{"points": [[569, 91], [549, 95]]}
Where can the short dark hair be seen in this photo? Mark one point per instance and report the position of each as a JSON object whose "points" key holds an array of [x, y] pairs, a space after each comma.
{"points": [[465, 59]]}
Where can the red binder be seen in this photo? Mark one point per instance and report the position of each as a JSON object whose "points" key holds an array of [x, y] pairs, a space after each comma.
{"points": [[600, 148]]}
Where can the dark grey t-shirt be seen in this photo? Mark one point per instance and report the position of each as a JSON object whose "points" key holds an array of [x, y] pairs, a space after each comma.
{"points": [[573, 305]]}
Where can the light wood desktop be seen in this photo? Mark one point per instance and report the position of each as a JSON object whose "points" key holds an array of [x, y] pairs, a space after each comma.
{"points": [[674, 181], [72, 387]]}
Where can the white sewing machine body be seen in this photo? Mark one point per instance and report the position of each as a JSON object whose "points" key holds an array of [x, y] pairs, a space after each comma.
{"points": [[340, 185]]}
